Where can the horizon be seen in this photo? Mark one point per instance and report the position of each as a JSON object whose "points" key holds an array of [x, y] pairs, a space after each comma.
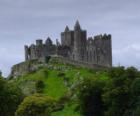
{"points": [[22, 22]]}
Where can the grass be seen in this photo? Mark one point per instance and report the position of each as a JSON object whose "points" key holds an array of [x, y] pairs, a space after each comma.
{"points": [[54, 85], [69, 110]]}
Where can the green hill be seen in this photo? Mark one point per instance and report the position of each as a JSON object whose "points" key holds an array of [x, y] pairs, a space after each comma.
{"points": [[60, 82]]}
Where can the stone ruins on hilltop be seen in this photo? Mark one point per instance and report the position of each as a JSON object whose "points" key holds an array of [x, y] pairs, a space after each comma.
{"points": [[74, 46]]}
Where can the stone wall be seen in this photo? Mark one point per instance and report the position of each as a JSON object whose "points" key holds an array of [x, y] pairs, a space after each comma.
{"points": [[25, 68], [78, 63], [33, 65]]}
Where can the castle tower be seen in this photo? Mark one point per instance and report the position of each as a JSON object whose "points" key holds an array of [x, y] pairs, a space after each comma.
{"points": [[67, 37], [33, 52], [103, 46], [48, 42], [66, 29], [79, 42], [77, 26]]}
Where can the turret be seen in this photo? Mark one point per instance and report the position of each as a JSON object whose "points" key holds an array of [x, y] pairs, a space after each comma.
{"points": [[66, 29], [67, 37], [0, 73], [48, 41], [79, 42], [26, 52], [77, 26]]}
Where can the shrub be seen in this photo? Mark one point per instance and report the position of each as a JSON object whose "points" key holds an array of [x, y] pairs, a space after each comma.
{"points": [[35, 105], [39, 86], [47, 59], [61, 74]]}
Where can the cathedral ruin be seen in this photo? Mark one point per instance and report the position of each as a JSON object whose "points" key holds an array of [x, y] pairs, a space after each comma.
{"points": [[74, 46]]}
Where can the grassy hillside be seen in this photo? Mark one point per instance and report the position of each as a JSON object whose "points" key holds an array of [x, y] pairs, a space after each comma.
{"points": [[59, 81]]}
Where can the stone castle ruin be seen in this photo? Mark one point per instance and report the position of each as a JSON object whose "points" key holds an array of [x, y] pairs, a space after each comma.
{"points": [[74, 46]]}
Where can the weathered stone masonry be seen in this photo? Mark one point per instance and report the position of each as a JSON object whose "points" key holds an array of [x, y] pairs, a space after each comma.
{"points": [[74, 46]]}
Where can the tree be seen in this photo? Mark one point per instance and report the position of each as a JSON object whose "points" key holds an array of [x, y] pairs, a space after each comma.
{"points": [[116, 72], [10, 98], [134, 106], [118, 93], [90, 97], [132, 73], [135, 87], [136, 112]]}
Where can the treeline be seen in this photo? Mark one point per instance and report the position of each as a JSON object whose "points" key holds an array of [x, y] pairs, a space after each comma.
{"points": [[117, 96], [10, 98]]}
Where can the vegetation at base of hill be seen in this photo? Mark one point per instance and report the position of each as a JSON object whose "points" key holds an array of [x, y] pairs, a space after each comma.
{"points": [[90, 97], [68, 110], [118, 96], [10, 98], [35, 105], [76, 91]]}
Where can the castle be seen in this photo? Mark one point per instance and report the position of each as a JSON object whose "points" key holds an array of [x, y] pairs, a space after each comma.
{"points": [[74, 46]]}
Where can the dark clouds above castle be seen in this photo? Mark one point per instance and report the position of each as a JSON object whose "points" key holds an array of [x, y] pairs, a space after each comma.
{"points": [[23, 21]]}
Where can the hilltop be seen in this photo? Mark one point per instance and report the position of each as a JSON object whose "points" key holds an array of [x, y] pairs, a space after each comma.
{"points": [[60, 88], [60, 81]]}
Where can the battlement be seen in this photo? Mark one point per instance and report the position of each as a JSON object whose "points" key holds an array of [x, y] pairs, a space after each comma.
{"points": [[102, 36]]}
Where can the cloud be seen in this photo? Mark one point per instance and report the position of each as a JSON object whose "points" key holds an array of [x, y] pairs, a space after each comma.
{"points": [[128, 55]]}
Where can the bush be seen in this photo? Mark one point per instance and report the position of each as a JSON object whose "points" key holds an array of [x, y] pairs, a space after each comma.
{"points": [[39, 86], [61, 74], [35, 105], [47, 59]]}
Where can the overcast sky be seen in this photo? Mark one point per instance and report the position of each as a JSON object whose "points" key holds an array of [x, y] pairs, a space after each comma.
{"points": [[24, 21]]}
